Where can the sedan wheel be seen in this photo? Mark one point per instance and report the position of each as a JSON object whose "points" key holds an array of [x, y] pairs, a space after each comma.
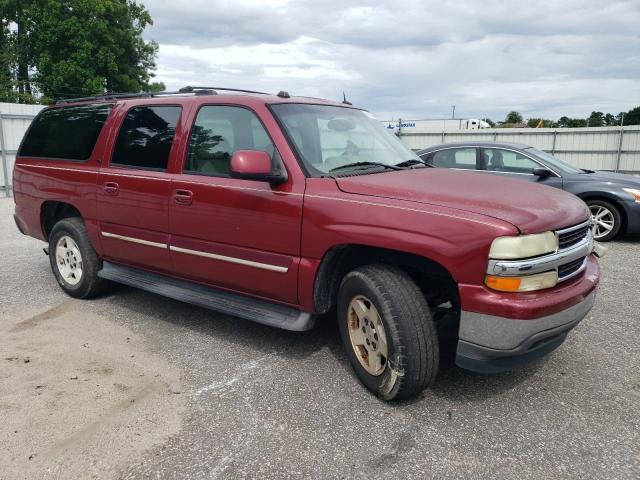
{"points": [[606, 220]]}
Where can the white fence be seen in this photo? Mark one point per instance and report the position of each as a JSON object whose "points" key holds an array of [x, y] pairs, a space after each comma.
{"points": [[594, 148], [14, 121]]}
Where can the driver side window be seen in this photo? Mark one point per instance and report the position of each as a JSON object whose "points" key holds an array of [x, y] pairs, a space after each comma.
{"points": [[218, 132]]}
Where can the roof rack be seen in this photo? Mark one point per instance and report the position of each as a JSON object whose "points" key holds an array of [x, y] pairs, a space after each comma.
{"points": [[182, 91]]}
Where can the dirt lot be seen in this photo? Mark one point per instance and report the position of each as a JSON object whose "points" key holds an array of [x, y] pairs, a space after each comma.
{"points": [[132, 385]]}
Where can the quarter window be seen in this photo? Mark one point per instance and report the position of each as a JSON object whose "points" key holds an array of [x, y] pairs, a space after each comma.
{"points": [[68, 133], [217, 133], [145, 138]]}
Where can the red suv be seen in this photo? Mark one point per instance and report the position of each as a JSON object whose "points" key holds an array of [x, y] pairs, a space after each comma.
{"points": [[277, 209]]}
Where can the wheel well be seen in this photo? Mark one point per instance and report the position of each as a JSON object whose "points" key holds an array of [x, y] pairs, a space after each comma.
{"points": [[51, 212], [612, 201], [435, 282]]}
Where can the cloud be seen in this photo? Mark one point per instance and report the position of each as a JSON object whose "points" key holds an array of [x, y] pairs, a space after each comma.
{"points": [[413, 58]]}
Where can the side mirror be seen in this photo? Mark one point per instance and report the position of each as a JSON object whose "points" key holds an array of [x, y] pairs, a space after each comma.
{"points": [[541, 172], [254, 165]]}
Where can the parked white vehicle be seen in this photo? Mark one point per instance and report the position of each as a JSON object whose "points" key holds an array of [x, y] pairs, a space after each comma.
{"points": [[435, 124]]}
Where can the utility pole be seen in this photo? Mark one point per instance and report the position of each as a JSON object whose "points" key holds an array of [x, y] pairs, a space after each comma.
{"points": [[453, 111]]}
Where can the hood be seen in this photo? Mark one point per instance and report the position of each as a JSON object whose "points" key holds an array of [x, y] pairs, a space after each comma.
{"points": [[614, 179], [529, 207]]}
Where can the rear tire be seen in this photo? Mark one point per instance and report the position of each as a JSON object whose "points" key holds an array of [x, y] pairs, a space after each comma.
{"points": [[406, 361], [607, 220], [74, 262]]}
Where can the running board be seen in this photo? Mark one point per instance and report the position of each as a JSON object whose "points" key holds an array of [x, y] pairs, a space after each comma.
{"points": [[260, 311]]}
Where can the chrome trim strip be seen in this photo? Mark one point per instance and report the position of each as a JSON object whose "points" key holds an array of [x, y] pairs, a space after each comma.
{"points": [[134, 240], [224, 258], [510, 268], [586, 223]]}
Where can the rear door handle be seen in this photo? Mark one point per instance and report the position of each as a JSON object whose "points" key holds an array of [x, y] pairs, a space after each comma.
{"points": [[111, 188], [183, 197]]}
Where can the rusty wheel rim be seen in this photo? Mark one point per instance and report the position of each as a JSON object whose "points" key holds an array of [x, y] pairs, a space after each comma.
{"points": [[367, 335]]}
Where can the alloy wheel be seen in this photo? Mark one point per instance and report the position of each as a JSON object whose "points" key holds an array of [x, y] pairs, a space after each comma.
{"points": [[367, 335], [603, 221], [69, 260]]}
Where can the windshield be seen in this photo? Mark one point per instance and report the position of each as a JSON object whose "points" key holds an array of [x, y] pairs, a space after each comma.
{"points": [[328, 137], [555, 162]]}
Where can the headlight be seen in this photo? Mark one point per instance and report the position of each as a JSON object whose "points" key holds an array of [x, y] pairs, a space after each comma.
{"points": [[523, 246], [635, 193], [528, 283]]}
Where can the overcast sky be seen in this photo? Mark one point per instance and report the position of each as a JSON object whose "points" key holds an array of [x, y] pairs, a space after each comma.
{"points": [[411, 59]]}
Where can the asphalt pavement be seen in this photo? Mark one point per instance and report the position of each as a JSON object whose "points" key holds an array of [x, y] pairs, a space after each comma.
{"points": [[265, 403]]}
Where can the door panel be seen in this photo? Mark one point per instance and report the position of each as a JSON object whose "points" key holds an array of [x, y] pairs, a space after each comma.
{"points": [[134, 189], [238, 234]]}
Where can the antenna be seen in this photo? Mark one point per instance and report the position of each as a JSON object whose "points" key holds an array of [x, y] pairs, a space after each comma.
{"points": [[344, 99]]}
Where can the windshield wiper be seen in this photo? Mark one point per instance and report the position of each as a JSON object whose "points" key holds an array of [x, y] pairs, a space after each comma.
{"points": [[366, 164], [411, 162], [584, 170]]}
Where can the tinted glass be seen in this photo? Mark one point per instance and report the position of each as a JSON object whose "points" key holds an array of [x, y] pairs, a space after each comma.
{"points": [[218, 132], [146, 136], [454, 158], [330, 137], [498, 160], [556, 163], [67, 132]]}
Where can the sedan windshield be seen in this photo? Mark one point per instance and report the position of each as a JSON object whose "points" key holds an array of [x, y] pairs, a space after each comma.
{"points": [[341, 139], [554, 162]]}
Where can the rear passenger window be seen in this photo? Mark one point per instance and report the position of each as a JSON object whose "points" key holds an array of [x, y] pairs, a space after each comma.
{"points": [[68, 133], [217, 133], [146, 136]]}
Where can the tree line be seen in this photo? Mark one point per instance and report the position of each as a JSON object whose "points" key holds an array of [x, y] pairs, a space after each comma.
{"points": [[52, 49], [596, 119]]}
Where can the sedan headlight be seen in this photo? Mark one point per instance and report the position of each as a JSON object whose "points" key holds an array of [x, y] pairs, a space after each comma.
{"points": [[523, 246], [635, 193]]}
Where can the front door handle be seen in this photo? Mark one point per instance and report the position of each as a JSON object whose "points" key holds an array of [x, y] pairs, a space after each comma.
{"points": [[183, 197], [111, 188]]}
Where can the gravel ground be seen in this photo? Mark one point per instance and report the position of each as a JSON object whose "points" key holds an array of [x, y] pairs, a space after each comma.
{"points": [[264, 403]]}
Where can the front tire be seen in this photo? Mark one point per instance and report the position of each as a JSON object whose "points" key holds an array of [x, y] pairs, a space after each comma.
{"points": [[74, 262], [387, 331], [607, 220]]}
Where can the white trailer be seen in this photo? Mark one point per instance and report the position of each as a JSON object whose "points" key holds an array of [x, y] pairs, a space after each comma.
{"points": [[431, 124]]}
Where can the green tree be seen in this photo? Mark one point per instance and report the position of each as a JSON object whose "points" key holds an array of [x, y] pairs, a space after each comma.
{"points": [[596, 119], [513, 117], [534, 122], [87, 47], [610, 120], [6, 80], [632, 117]]}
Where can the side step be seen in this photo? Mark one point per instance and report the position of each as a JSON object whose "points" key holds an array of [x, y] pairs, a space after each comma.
{"points": [[274, 315]]}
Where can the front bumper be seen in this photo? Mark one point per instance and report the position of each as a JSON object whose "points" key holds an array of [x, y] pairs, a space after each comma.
{"points": [[503, 331], [632, 211]]}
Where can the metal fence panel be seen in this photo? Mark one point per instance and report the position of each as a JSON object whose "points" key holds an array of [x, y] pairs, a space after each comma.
{"points": [[595, 148], [14, 121]]}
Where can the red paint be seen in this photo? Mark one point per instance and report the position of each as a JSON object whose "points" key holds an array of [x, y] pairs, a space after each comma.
{"points": [[449, 217], [250, 163]]}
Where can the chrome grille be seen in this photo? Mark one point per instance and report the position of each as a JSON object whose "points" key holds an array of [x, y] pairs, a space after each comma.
{"points": [[568, 269], [573, 235]]}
